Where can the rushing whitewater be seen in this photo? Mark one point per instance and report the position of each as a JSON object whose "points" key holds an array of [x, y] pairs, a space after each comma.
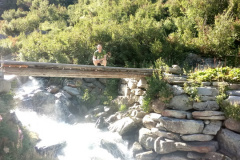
{"points": [[83, 140]]}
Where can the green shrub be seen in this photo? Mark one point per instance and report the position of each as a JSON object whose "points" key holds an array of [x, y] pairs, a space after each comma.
{"points": [[123, 108], [231, 110]]}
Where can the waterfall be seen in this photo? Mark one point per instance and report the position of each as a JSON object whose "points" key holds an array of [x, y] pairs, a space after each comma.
{"points": [[83, 140]]}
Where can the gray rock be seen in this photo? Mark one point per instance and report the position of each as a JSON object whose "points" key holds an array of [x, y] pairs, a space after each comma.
{"points": [[138, 92], [207, 91], [162, 147], [136, 148], [232, 124], [195, 155], [207, 113], [230, 142], [148, 122], [234, 100], [164, 134], [214, 156], [209, 106], [211, 118], [123, 126], [155, 116], [217, 84], [182, 126], [149, 155], [112, 148], [197, 137], [51, 150], [142, 83], [175, 156], [200, 147], [5, 86], [207, 98], [71, 91], [180, 102], [234, 86], [146, 138], [132, 83], [53, 89], [233, 92], [101, 123], [175, 114], [177, 90], [158, 106], [212, 128]]}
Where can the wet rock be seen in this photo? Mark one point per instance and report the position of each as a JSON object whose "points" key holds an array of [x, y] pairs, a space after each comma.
{"points": [[112, 148], [148, 122], [175, 114], [71, 91], [232, 124], [203, 106], [101, 123], [43, 102], [122, 90], [180, 102], [136, 149], [182, 126], [175, 156], [5, 86], [149, 155], [197, 137], [164, 134], [124, 126], [89, 80], [158, 106], [51, 150], [207, 91], [230, 142], [177, 90], [53, 89], [142, 83], [212, 128]]}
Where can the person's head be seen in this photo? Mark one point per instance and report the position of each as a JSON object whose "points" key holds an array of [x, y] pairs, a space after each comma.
{"points": [[99, 47]]}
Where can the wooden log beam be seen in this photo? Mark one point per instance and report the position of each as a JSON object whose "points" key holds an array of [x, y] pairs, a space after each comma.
{"points": [[72, 73]]}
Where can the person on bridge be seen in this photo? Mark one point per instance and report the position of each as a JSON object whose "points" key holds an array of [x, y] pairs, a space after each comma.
{"points": [[100, 56]]}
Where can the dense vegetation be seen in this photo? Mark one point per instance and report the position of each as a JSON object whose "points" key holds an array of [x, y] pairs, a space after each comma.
{"points": [[135, 32]]}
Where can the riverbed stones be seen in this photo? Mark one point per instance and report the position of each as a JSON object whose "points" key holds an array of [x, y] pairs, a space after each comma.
{"points": [[123, 126], [182, 126], [176, 114], [229, 142], [197, 137], [180, 102], [212, 128], [206, 106], [232, 124]]}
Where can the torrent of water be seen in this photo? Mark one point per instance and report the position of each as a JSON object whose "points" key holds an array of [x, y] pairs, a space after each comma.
{"points": [[83, 140]]}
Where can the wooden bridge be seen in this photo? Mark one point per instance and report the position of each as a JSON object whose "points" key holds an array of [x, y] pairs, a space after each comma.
{"points": [[38, 69]]}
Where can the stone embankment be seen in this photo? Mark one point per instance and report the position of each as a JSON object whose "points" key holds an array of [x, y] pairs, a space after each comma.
{"points": [[180, 130]]}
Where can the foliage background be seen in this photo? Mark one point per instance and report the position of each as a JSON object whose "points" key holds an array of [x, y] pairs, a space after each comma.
{"points": [[136, 32]]}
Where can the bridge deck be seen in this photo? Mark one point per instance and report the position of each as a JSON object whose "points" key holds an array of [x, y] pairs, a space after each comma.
{"points": [[39, 69]]}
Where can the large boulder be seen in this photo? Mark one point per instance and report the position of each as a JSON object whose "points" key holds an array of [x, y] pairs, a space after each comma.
{"points": [[124, 126], [180, 102], [5, 86], [232, 124], [182, 126], [229, 142]]}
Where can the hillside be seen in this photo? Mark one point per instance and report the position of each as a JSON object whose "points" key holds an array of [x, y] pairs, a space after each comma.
{"points": [[136, 32]]}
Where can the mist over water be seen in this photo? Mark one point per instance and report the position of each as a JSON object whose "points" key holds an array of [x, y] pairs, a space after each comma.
{"points": [[83, 140]]}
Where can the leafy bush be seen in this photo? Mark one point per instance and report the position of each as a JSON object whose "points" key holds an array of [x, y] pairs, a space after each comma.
{"points": [[157, 87], [231, 110], [216, 74], [123, 108]]}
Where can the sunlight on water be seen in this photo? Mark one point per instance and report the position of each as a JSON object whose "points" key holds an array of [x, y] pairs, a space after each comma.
{"points": [[83, 140]]}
